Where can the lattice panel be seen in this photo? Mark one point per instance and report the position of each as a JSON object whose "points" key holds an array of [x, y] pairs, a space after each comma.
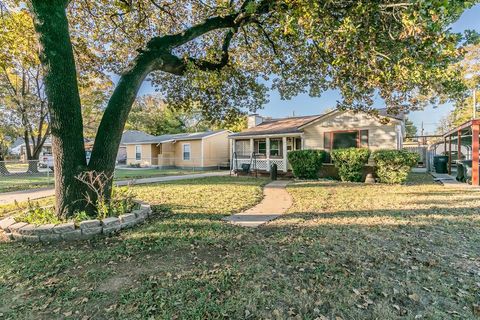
{"points": [[261, 165], [279, 162]]}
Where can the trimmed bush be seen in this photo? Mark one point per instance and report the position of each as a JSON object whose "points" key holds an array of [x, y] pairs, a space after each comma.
{"points": [[306, 163], [350, 163], [393, 166]]}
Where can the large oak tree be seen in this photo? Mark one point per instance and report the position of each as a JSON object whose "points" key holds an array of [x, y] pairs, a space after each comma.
{"points": [[212, 54]]}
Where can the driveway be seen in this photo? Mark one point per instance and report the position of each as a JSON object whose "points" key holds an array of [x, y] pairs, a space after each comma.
{"points": [[24, 195]]}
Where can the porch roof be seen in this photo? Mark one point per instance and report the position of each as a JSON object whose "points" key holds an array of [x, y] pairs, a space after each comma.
{"points": [[175, 137], [277, 126]]}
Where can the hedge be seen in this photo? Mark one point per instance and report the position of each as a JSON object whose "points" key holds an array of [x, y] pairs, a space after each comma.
{"points": [[393, 166], [350, 163], [306, 163]]}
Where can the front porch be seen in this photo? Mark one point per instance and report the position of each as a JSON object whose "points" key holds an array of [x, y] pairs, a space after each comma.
{"points": [[260, 153]]}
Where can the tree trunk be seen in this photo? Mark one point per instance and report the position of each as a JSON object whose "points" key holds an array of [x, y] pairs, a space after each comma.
{"points": [[109, 134], [63, 102]]}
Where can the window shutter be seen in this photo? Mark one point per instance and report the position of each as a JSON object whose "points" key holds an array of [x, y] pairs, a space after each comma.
{"points": [[364, 138], [327, 141]]}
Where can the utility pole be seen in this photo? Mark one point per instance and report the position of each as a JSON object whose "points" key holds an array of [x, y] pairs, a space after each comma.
{"points": [[423, 133]]}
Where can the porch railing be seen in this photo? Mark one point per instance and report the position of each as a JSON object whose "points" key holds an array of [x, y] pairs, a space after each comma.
{"points": [[261, 164]]}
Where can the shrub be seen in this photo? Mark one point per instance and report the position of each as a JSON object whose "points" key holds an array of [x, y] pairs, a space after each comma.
{"points": [[34, 214], [306, 163], [134, 165], [393, 166], [350, 163]]}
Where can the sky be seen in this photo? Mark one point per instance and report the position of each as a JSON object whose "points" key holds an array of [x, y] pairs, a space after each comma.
{"points": [[306, 105]]}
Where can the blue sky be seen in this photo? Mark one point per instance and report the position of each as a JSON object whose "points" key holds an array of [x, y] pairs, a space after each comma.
{"points": [[306, 105]]}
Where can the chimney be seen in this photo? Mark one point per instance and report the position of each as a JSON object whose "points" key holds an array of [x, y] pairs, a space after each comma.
{"points": [[254, 120]]}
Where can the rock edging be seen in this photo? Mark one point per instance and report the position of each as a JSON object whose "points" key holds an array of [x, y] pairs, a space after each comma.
{"points": [[22, 231]]}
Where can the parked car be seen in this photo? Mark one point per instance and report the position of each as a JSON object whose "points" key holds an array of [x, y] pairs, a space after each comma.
{"points": [[47, 160]]}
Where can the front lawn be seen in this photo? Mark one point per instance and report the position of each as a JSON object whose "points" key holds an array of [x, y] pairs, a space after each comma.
{"points": [[126, 174], [345, 251]]}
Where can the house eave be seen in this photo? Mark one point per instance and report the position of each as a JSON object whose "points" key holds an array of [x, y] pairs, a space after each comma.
{"points": [[266, 135]]}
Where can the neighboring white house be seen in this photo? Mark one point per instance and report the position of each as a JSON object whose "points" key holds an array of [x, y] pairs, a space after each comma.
{"points": [[269, 140]]}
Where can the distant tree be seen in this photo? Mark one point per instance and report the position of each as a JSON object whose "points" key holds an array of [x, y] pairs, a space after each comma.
{"points": [[151, 114], [8, 133], [22, 94], [410, 128]]}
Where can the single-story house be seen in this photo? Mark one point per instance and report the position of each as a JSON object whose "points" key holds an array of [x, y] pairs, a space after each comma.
{"points": [[129, 136], [203, 150], [269, 140], [19, 148]]}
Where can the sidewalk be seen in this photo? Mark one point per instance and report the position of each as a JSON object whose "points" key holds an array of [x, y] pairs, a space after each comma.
{"points": [[276, 202], [24, 195]]}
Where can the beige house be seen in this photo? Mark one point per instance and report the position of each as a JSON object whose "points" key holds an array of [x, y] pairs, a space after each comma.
{"points": [[203, 150], [269, 140]]}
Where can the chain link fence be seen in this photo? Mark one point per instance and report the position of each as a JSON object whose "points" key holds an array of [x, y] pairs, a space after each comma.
{"points": [[18, 175], [22, 175]]}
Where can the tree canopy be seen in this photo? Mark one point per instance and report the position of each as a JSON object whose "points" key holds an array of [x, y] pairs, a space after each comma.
{"points": [[396, 50]]}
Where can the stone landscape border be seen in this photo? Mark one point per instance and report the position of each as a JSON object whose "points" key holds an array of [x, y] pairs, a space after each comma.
{"points": [[22, 231]]}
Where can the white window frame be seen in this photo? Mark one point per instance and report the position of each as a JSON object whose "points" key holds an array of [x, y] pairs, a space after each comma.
{"points": [[137, 153], [189, 152]]}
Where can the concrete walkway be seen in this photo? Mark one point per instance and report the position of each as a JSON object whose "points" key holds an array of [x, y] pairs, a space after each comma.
{"points": [[450, 181], [24, 195], [276, 201]]}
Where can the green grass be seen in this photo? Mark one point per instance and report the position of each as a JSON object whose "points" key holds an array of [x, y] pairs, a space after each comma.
{"points": [[122, 174], [26, 182], [15, 183], [348, 251]]}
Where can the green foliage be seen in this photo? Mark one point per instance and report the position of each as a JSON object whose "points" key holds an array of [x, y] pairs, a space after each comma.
{"points": [[80, 216], [306, 163], [122, 201], [34, 214], [393, 166], [350, 163], [410, 128]]}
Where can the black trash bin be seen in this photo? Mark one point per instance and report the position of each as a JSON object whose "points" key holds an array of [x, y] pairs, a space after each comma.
{"points": [[440, 163]]}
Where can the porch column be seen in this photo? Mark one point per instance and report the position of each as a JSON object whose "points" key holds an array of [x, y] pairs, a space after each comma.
{"points": [[233, 165], [459, 145], [284, 147], [475, 155], [267, 155], [251, 146], [449, 154]]}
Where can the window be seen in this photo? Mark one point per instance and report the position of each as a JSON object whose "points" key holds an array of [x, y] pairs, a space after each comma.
{"points": [[275, 147], [242, 148], [298, 143], [347, 139], [138, 152], [261, 147], [186, 151]]}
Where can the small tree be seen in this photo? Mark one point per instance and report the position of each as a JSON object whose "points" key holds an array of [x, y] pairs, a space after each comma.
{"points": [[350, 163]]}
